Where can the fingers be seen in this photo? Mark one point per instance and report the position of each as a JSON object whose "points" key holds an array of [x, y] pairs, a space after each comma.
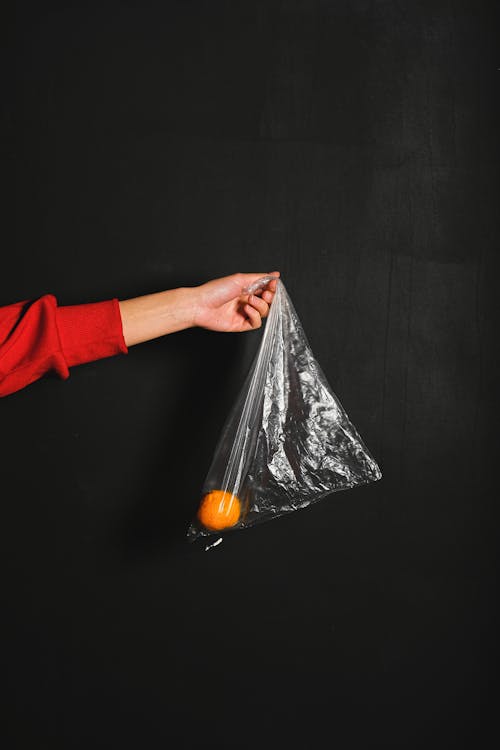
{"points": [[256, 305], [267, 290], [256, 309], [260, 305], [254, 283], [268, 297], [253, 316], [270, 288]]}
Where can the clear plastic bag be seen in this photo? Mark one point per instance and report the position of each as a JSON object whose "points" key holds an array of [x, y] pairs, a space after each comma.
{"points": [[287, 442]]}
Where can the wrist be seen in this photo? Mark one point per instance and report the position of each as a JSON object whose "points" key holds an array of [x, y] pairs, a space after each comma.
{"points": [[178, 309], [191, 300], [191, 296]]}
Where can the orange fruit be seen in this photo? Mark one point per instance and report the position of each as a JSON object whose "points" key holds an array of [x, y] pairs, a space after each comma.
{"points": [[219, 510]]}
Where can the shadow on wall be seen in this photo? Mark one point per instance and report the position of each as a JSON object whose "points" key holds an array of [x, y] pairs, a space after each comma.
{"points": [[160, 510]]}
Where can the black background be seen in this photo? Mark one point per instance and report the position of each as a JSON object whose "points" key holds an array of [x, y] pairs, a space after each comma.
{"points": [[354, 147]]}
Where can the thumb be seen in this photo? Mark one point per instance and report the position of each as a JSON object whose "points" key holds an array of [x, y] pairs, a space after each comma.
{"points": [[258, 281]]}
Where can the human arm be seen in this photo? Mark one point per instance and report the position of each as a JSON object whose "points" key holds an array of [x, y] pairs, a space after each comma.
{"points": [[39, 336], [218, 305]]}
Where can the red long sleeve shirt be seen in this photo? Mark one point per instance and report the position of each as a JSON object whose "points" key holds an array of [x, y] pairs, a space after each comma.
{"points": [[38, 336]]}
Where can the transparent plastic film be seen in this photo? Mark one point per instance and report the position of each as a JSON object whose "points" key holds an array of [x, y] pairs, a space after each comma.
{"points": [[287, 441]]}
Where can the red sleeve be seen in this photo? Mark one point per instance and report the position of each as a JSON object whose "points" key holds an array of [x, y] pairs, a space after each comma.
{"points": [[39, 336]]}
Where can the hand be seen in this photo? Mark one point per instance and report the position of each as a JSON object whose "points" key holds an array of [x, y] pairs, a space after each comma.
{"points": [[219, 305], [222, 305]]}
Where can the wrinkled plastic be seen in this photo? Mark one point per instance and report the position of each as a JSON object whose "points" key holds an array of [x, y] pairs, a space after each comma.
{"points": [[287, 442]]}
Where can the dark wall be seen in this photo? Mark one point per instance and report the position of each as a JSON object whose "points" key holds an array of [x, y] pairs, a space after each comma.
{"points": [[354, 147]]}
